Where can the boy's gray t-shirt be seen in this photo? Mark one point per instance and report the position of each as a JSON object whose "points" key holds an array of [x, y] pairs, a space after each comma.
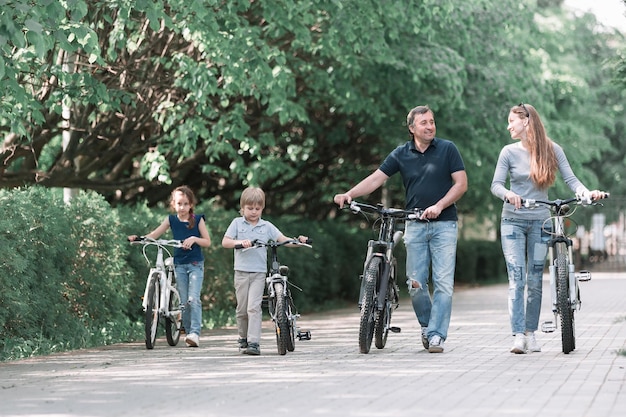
{"points": [[514, 162], [252, 259]]}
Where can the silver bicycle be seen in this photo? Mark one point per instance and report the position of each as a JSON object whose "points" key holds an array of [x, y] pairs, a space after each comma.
{"points": [[564, 289], [161, 299]]}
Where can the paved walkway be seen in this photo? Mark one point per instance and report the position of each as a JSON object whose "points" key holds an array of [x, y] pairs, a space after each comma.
{"points": [[326, 376]]}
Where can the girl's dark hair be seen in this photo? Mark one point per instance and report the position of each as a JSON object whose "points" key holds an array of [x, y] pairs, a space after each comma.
{"points": [[186, 191]]}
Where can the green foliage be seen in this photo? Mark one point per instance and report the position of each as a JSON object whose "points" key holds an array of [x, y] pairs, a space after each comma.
{"points": [[479, 262], [300, 97], [62, 273]]}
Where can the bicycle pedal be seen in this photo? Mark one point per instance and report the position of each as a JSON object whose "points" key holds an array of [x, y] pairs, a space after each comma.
{"points": [[304, 335], [548, 327], [395, 329], [583, 276]]}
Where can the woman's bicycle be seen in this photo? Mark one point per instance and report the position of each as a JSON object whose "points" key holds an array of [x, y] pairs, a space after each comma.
{"points": [[161, 299], [280, 304], [379, 295], [564, 289]]}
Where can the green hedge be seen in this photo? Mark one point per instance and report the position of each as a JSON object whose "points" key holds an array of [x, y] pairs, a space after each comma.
{"points": [[71, 280]]}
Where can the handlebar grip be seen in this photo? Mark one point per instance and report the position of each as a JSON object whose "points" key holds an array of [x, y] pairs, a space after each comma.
{"points": [[309, 241], [238, 246]]}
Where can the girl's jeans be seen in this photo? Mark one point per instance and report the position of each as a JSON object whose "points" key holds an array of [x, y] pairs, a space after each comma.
{"points": [[524, 245], [189, 279], [431, 246]]}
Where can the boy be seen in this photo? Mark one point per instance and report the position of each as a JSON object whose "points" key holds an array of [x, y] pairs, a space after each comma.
{"points": [[251, 265]]}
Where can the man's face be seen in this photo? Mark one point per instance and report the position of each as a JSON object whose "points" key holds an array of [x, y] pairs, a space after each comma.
{"points": [[423, 128]]}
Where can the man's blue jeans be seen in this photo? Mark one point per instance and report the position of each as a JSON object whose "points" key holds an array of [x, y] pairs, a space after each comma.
{"points": [[525, 246], [189, 279], [431, 247]]}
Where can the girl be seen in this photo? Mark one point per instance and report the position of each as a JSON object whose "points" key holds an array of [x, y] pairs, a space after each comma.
{"points": [[191, 229]]}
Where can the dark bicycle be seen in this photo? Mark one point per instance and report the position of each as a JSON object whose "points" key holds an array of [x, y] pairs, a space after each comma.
{"points": [[280, 304], [379, 295], [564, 289]]}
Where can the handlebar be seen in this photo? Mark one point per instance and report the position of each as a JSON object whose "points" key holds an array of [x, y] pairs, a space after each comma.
{"points": [[146, 241], [581, 200], [414, 214], [272, 244]]}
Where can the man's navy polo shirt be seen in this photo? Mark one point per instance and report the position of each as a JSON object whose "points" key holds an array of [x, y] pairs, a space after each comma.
{"points": [[427, 176]]}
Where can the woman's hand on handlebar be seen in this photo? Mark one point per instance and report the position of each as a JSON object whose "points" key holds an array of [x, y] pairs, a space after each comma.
{"points": [[514, 199]]}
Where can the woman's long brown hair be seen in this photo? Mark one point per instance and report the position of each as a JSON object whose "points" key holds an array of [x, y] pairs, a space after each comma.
{"points": [[543, 163]]}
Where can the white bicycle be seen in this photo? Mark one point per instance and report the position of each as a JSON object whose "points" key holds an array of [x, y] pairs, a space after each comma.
{"points": [[161, 299]]}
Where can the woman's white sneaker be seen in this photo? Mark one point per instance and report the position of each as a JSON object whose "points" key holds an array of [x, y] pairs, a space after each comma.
{"points": [[531, 342], [519, 345]]}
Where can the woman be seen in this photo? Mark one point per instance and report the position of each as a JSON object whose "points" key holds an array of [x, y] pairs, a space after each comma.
{"points": [[531, 165]]}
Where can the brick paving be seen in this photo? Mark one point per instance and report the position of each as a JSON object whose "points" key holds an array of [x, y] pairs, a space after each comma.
{"points": [[327, 376]]}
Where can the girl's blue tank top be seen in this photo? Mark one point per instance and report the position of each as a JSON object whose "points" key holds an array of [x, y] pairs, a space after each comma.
{"points": [[181, 231]]}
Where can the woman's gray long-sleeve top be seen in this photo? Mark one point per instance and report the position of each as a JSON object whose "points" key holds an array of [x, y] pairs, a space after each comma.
{"points": [[514, 162]]}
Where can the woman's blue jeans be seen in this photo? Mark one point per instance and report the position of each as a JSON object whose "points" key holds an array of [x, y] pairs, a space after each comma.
{"points": [[431, 247], [525, 245], [189, 279]]}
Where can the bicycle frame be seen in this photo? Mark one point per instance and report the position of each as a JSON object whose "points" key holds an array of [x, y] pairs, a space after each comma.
{"points": [[388, 238], [164, 267]]}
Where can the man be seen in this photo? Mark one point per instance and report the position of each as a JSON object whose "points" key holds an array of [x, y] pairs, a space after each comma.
{"points": [[434, 178]]}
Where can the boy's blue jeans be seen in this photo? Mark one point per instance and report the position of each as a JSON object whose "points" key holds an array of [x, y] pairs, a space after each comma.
{"points": [[431, 246], [525, 246], [189, 279]]}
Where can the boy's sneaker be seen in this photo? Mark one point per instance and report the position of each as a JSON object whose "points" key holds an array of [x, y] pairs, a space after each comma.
{"points": [[435, 344], [192, 340], [519, 345], [425, 337], [243, 344], [253, 349], [531, 342]]}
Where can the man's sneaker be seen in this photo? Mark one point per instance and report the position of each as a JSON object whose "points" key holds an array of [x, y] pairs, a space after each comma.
{"points": [[253, 349], [519, 345], [435, 344], [425, 337], [531, 342], [243, 344], [192, 340]]}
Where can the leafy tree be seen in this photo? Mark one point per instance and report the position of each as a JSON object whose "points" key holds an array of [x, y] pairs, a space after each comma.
{"points": [[303, 98]]}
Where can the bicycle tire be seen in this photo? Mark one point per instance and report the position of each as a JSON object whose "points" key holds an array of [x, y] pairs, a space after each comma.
{"points": [[291, 340], [280, 322], [368, 305], [172, 325], [152, 312], [383, 318], [564, 305]]}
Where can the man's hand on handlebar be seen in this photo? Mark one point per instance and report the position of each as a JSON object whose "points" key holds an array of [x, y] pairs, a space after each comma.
{"points": [[341, 199]]}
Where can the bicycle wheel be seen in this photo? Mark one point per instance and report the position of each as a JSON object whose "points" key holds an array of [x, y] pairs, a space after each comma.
{"points": [[368, 306], [152, 311], [564, 305], [280, 322], [173, 323], [291, 340], [382, 324]]}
